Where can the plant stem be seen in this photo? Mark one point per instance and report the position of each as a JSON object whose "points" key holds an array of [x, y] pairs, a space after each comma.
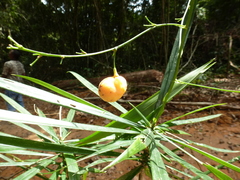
{"points": [[18, 46]]}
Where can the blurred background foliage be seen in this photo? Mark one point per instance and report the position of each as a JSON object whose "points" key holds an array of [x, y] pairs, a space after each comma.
{"points": [[66, 26]]}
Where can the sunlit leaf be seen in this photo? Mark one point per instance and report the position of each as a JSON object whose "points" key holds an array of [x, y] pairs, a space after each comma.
{"points": [[61, 101], [216, 159], [217, 173], [173, 64], [140, 143], [156, 164], [184, 163], [34, 170], [17, 150], [213, 148], [45, 146], [72, 166], [191, 121], [30, 119], [59, 91]]}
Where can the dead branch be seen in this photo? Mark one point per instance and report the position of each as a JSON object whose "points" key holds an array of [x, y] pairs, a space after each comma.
{"points": [[175, 103], [233, 65], [133, 77]]}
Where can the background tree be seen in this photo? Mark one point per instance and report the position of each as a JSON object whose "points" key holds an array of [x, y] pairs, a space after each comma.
{"points": [[66, 27]]}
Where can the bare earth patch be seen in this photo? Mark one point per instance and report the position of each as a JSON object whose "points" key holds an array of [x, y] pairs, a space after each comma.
{"points": [[222, 132]]}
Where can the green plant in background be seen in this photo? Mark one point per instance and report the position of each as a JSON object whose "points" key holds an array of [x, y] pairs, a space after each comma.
{"points": [[137, 132]]}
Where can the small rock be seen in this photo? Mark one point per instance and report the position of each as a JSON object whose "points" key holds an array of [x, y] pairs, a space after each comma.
{"points": [[221, 141]]}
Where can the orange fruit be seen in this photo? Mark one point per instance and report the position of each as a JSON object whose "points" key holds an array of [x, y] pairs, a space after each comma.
{"points": [[112, 88]]}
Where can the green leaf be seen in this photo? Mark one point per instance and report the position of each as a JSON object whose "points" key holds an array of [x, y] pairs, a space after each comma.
{"points": [[140, 143], [48, 129], [216, 159], [145, 120], [14, 104], [192, 112], [208, 87], [72, 166], [59, 91], [217, 173], [45, 146], [22, 110], [109, 147], [70, 115], [61, 101], [213, 148], [184, 163], [8, 164], [17, 150], [130, 175], [174, 60], [69, 118], [97, 162], [174, 131], [177, 87], [179, 171], [30, 119], [54, 176], [34, 170], [191, 121], [219, 166], [157, 166]]}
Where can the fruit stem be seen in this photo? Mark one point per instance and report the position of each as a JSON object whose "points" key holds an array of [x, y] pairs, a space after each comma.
{"points": [[115, 73]]}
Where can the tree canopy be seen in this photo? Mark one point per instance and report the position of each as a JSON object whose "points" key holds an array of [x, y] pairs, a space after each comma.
{"points": [[67, 26]]}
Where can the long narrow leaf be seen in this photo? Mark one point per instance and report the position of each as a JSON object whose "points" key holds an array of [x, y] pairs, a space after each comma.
{"points": [[69, 118], [213, 148], [22, 110], [130, 175], [7, 164], [216, 159], [194, 111], [33, 171], [217, 173], [72, 166], [189, 78], [191, 121], [30, 119], [157, 166], [14, 104], [59, 91], [179, 171], [140, 143], [45, 146], [184, 163], [219, 167], [59, 100], [17, 150], [176, 54], [48, 129], [109, 147]]}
